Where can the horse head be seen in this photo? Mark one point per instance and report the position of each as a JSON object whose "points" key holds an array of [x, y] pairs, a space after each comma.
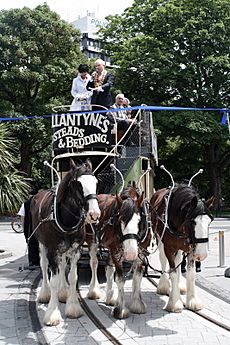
{"points": [[80, 185], [189, 214], [129, 204]]}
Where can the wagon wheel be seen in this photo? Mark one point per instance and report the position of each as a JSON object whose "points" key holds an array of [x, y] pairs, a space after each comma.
{"points": [[16, 224]]}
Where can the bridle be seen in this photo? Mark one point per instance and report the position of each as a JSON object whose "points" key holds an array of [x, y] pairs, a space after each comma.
{"points": [[89, 197], [142, 233], [192, 239], [189, 235], [115, 220]]}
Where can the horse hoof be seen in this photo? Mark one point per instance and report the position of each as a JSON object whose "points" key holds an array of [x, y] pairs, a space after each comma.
{"points": [[119, 313], [96, 294], [112, 302], [73, 311], [194, 304], [138, 307], [52, 318], [43, 297], [62, 296], [175, 307], [163, 287], [163, 291]]}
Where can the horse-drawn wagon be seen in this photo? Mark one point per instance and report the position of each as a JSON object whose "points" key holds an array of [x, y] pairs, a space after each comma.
{"points": [[88, 149], [117, 157]]}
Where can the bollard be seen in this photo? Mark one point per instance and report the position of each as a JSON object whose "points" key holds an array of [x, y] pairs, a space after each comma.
{"points": [[221, 249], [227, 273]]}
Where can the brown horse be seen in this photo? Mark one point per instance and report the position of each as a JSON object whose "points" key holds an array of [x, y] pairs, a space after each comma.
{"points": [[124, 231], [180, 221], [58, 218]]}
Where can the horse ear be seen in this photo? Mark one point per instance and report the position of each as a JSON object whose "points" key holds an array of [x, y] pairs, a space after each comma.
{"points": [[88, 164], [119, 200], [140, 199], [209, 203], [194, 202], [72, 164]]}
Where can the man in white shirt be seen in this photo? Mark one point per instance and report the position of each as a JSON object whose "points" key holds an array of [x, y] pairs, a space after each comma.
{"points": [[122, 117]]}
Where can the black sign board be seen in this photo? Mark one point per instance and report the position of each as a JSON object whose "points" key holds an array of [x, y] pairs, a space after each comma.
{"points": [[81, 130]]}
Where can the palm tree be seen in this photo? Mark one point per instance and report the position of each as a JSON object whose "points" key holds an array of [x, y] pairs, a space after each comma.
{"points": [[14, 186]]}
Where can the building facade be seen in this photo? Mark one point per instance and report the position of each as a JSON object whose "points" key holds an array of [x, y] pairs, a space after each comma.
{"points": [[90, 45]]}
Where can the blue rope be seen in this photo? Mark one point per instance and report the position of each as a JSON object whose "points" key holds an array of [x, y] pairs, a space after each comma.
{"points": [[223, 111]]}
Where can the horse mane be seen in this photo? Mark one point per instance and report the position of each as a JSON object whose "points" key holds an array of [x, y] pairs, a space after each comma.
{"points": [[186, 201], [127, 210], [130, 191]]}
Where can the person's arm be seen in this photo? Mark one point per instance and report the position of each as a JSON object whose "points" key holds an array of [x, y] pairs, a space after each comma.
{"points": [[74, 88], [109, 82]]}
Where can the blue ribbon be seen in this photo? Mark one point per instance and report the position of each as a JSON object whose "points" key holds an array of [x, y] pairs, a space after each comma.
{"points": [[224, 116], [142, 107]]}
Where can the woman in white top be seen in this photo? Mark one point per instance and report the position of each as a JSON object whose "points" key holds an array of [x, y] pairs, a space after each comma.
{"points": [[82, 96]]}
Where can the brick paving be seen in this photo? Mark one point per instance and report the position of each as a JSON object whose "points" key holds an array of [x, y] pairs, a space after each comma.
{"points": [[157, 325]]}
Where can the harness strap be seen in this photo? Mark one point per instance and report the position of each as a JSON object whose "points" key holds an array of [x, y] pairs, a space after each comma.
{"points": [[90, 196], [109, 221], [191, 239], [199, 240], [130, 237], [175, 233]]}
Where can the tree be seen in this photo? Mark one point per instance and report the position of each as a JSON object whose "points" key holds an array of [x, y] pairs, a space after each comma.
{"points": [[176, 52], [38, 58], [14, 186]]}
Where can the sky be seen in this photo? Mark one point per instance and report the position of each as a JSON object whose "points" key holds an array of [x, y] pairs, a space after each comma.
{"points": [[70, 10]]}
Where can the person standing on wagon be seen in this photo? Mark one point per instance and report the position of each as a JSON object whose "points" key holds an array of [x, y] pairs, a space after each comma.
{"points": [[101, 83], [82, 96]]}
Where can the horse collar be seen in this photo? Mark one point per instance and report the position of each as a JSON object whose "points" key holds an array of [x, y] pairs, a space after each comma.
{"points": [[62, 228], [175, 233]]}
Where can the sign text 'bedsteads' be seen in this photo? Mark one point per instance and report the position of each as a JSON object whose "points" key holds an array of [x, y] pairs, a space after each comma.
{"points": [[78, 130]]}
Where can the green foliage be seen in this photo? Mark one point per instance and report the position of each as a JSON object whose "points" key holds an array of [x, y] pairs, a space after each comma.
{"points": [[39, 56], [176, 52], [14, 187]]}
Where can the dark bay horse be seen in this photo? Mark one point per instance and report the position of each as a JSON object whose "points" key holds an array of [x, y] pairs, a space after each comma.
{"points": [[180, 221], [123, 230], [58, 217]]}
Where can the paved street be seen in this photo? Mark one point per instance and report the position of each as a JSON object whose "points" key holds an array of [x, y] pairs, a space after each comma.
{"points": [[156, 326]]}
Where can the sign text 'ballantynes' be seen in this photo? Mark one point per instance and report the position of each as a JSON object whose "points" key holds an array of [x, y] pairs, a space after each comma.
{"points": [[80, 129]]}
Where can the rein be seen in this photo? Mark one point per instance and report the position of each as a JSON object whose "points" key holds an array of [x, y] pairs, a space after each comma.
{"points": [[110, 221], [145, 261]]}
